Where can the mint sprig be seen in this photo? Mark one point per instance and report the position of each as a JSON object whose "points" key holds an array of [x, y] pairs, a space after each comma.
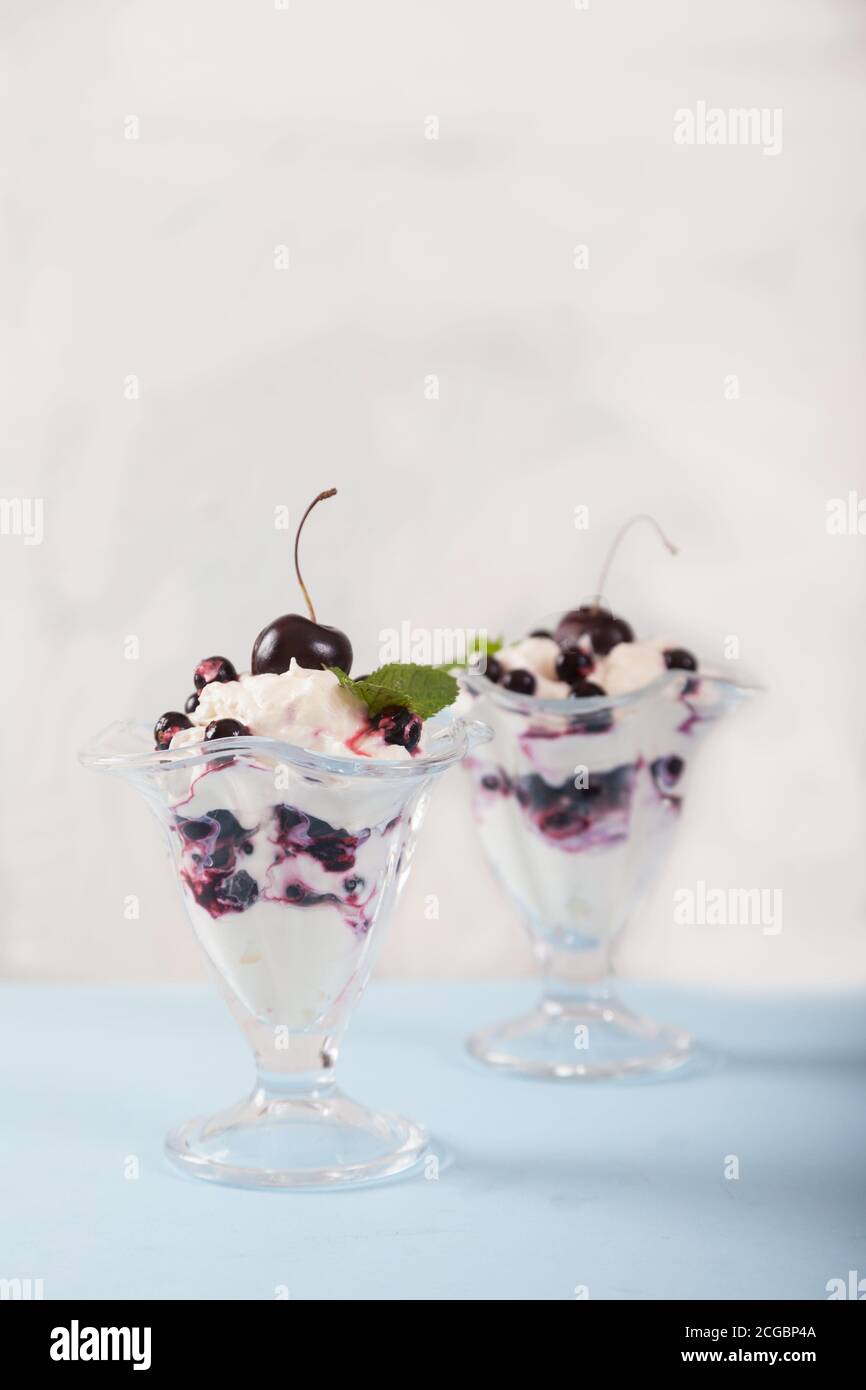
{"points": [[424, 690]]}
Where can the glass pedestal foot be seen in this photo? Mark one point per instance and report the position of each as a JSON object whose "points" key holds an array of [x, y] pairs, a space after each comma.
{"points": [[301, 1142], [590, 1040]]}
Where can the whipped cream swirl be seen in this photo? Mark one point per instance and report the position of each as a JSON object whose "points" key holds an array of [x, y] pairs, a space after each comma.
{"points": [[307, 708]]}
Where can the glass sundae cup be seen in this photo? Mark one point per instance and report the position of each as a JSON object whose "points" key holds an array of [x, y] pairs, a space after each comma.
{"points": [[576, 801], [289, 863]]}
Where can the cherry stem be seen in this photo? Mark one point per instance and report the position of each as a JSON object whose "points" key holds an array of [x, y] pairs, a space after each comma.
{"points": [[614, 546], [331, 492]]}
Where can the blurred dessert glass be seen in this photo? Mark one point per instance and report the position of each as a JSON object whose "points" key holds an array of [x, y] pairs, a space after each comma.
{"points": [[576, 801]]}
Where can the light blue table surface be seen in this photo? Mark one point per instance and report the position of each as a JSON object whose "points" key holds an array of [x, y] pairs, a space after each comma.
{"points": [[543, 1187]]}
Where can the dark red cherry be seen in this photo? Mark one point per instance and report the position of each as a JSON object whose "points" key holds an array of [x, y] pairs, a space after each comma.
{"points": [[225, 728], [573, 664], [577, 623], [167, 725], [213, 668], [294, 638], [678, 659], [191, 703], [593, 626], [399, 725], [305, 640], [597, 625], [520, 682], [608, 633]]}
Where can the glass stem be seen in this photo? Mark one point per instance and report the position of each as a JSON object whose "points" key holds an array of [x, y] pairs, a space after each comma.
{"points": [[295, 1065], [290, 1065], [572, 977]]}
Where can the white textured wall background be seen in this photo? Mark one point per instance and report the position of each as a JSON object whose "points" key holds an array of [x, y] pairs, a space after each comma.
{"points": [[409, 257]]}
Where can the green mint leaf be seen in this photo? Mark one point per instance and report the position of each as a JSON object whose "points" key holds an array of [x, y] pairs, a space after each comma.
{"points": [[424, 690], [346, 681]]}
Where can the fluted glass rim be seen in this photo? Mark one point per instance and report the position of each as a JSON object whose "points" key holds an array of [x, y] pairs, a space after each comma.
{"points": [[478, 684], [451, 742]]}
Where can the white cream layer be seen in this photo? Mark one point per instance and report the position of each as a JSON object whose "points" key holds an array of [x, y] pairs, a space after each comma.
{"points": [[309, 709]]}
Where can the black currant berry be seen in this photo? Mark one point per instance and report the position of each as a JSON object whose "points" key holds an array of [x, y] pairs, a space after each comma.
{"points": [[225, 728], [167, 725], [678, 659], [213, 668], [520, 682], [399, 726]]}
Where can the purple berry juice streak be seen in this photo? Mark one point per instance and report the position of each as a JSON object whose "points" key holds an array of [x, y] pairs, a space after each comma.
{"points": [[694, 717], [598, 723], [301, 834], [574, 818], [214, 848], [569, 816]]}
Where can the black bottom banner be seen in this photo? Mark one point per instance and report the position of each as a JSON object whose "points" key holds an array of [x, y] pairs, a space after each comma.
{"points": [[67, 1337]]}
